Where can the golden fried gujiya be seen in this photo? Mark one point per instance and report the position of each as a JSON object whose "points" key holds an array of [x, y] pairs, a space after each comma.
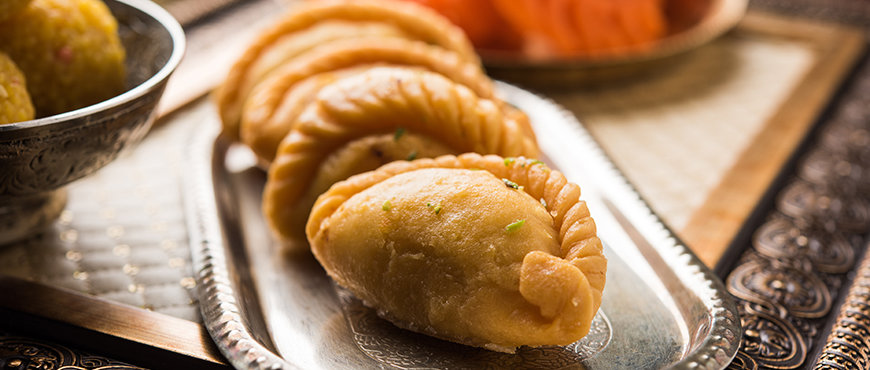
{"points": [[481, 250], [398, 19], [275, 103], [384, 114], [234, 92]]}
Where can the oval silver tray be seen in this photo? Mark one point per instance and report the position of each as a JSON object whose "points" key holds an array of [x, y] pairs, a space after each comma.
{"points": [[270, 309]]}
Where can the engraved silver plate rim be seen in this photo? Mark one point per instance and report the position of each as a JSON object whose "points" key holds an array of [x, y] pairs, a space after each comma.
{"points": [[720, 346], [222, 313]]}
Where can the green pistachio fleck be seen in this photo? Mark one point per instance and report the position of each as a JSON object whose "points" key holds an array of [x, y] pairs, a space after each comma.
{"points": [[509, 161], [534, 162], [510, 184], [544, 203], [437, 208], [412, 156], [387, 206], [474, 169], [514, 226], [399, 132]]}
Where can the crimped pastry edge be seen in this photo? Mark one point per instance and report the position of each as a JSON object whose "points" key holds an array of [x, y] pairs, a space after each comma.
{"points": [[269, 97], [412, 18], [564, 205], [480, 127]]}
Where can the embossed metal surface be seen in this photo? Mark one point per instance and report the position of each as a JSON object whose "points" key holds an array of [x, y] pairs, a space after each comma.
{"points": [[39, 156], [789, 280], [412, 350], [269, 309], [847, 345], [26, 353], [828, 204], [854, 12]]}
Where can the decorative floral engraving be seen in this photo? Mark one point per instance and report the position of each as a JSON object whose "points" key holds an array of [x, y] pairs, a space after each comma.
{"points": [[782, 238], [848, 345], [799, 292], [31, 354], [39, 157], [787, 282], [45, 157], [770, 340]]}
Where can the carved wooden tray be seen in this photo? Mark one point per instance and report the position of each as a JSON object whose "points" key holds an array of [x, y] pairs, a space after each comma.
{"points": [[267, 309]]}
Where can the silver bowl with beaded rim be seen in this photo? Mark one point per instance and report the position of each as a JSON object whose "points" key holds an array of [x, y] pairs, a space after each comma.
{"points": [[39, 157]]}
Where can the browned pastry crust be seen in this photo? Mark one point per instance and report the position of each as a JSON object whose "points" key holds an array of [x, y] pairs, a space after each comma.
{"points": [[465, 289], [276, 102], [377, 102], [414, 20], [287, 48]]}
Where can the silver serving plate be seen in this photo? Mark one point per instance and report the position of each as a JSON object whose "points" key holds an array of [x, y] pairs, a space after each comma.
{"points": [[271, 309]]}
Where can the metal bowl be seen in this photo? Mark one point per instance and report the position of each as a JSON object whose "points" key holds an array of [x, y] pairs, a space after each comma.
{"points": [[689, 31], [39, 157]]}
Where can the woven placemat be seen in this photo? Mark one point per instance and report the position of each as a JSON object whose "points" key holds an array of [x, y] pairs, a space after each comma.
{"points": [[675, 134], [123, 234], [703, 139]]}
